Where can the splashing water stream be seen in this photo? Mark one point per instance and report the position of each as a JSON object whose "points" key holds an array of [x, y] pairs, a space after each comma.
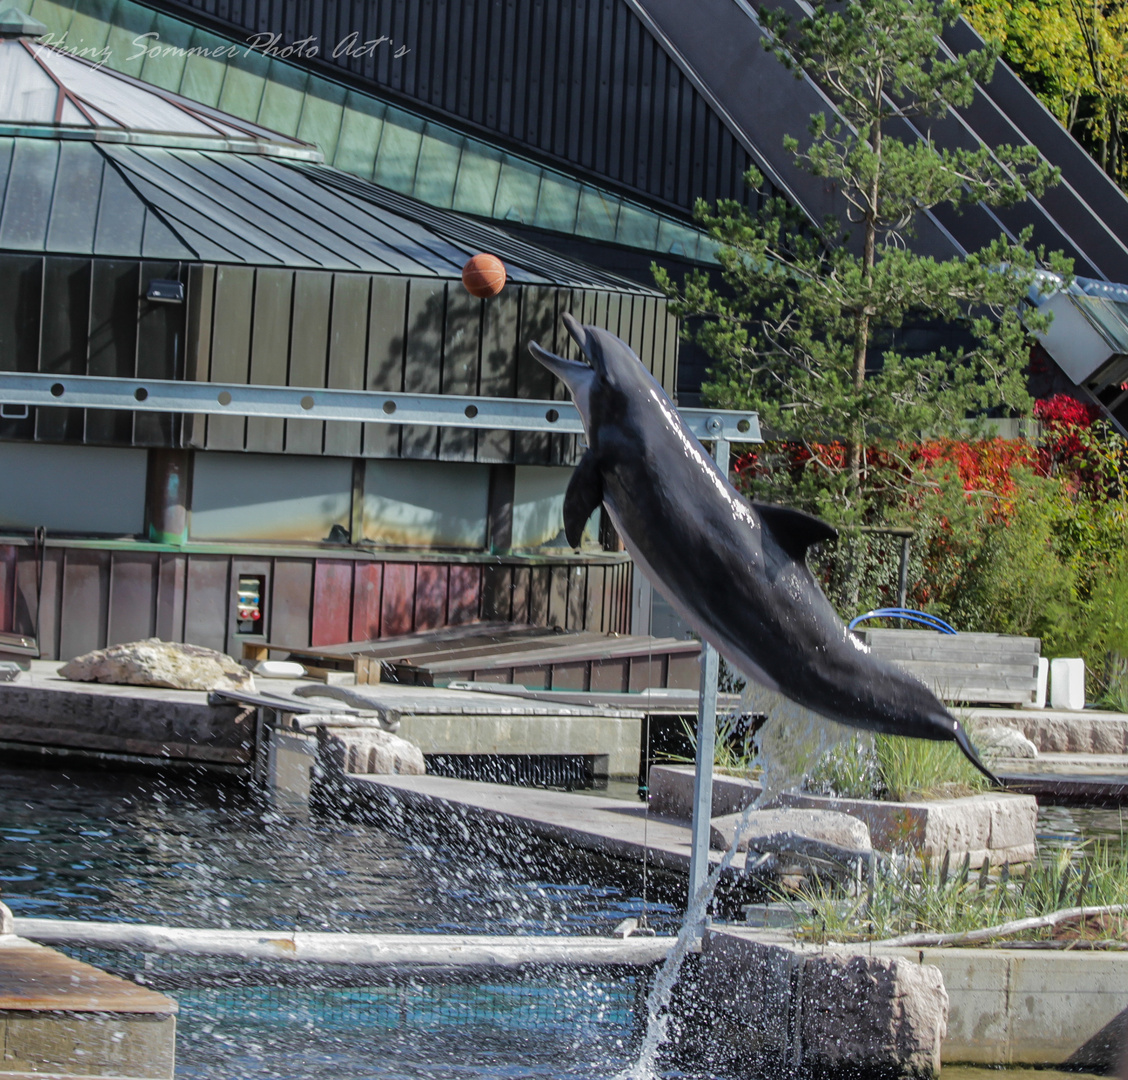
{"points": [[788, 744]]}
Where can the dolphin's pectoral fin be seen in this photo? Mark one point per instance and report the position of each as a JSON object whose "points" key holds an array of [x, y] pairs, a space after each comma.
{"points": [[584, 494], [793, 530]]}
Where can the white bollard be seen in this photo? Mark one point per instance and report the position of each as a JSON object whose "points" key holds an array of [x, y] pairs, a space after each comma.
{"points": [[1043, 683], [1067, 684]]}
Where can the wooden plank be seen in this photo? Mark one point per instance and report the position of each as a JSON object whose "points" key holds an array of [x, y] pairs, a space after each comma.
{"points": [[558, 596], [309, 352], [291, 601], [521, 595], [397, 608], [464, 595], [577, 597], [133, 597], [497, 592], [230, 351], [332, 601], [593, 597], [9, 557], [386, 345], [540, 584], [270, 351], [348, 342], [47, 616], [86, 599], [208, 600], [171, 581], [431, 584], [368, 579], [610, 675], [37, 979]]}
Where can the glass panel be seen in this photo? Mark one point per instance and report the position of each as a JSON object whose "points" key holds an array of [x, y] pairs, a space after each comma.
{"points": [[398, 153], [538, 506], [203, 76], [556, 204], [426, 504], [478, 172], [282, 103], [637, 227], [126, 43], [167, 53], [322, 112], [517, 189], [677, 239], [76, 191], [28, 200], [263, 497], [27, 94], [361, 128], [90, 26], [1104, 315], [244, 86], [597, 215], [57, 17], [438, 166], [51, 485]]}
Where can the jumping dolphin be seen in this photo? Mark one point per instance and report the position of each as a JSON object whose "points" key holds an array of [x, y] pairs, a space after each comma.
{"points": [[735, 571]]}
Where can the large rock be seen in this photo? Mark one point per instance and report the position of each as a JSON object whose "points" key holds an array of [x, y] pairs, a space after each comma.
{"points": [[160, 663], [997, 741], [369, 750], [782, 1009], [821, 833]]}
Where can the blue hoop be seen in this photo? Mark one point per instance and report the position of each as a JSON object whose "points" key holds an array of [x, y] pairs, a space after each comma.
{"points": [[933, 622]]}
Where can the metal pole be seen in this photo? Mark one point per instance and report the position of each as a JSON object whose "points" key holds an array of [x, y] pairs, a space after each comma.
{"points": [[903, 573], [706, 740]]}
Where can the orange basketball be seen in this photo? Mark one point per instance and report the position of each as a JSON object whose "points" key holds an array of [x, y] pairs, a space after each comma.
{"points": [[484, 276]]}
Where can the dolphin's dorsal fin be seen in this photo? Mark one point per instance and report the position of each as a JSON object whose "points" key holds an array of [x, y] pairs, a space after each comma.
{"points": [[584, 494], [794, 530]]}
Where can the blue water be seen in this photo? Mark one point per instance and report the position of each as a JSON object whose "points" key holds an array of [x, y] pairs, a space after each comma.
{"points": [[143, 849]]}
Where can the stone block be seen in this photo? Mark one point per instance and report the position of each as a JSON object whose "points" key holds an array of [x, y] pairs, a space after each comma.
{"points": [[160, 663], [997, 826], [811, 832], [785, 1009], [368, 750]]}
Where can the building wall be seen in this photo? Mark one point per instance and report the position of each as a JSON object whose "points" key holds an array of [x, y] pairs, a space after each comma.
{"points": [[91, 595], [83, 316]]}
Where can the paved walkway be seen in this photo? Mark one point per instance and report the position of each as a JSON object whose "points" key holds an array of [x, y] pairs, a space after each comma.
{"points": [[609, 826]]}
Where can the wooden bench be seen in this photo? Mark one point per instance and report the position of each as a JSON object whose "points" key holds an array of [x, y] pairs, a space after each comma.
{"points": [[980, 669]]}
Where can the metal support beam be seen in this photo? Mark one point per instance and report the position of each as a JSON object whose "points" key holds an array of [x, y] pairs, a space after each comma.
{"points": [[369, 406], [706, 740]]}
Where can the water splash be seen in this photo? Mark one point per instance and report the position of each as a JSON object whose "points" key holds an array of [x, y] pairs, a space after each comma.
{"points": [[790, 741]]}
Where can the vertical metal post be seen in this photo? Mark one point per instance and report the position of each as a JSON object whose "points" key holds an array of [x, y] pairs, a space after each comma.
{"points": [[903, 573], [706, 740]]}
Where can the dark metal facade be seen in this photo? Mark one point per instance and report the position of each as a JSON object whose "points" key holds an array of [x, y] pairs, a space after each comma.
{"points": [[90, 596], [582, 84]]}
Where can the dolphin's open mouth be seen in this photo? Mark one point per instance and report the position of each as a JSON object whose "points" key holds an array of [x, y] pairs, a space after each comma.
{"points": [[575, 374]]}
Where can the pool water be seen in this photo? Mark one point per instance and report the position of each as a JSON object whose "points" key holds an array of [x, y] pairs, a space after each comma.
{"points": [[184, 852]]}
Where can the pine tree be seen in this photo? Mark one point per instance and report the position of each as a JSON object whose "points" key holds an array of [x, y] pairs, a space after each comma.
{"points": [[806, 324]]}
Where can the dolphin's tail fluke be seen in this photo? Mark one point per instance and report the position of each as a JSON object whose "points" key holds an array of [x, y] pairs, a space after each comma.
{"points": [[964, 743]]}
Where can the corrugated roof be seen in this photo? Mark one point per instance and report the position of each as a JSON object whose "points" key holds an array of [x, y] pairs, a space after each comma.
{"points": [[163, 202]]}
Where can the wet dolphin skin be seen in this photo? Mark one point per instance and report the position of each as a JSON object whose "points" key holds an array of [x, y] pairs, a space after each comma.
{"points": [[735, 571]]}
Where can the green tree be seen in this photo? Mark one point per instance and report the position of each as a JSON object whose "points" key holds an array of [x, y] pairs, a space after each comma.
{"points": [[805, 325], [1074, 56]]}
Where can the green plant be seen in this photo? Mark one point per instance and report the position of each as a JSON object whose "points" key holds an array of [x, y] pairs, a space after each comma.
{"points": [[914, 894], [922, 769]]}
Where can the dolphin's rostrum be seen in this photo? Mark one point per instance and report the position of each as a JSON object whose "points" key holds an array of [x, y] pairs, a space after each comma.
{"points": [[736, 572]]}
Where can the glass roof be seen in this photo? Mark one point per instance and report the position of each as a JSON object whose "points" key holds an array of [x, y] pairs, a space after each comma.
{"points": [[44, 87]]}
